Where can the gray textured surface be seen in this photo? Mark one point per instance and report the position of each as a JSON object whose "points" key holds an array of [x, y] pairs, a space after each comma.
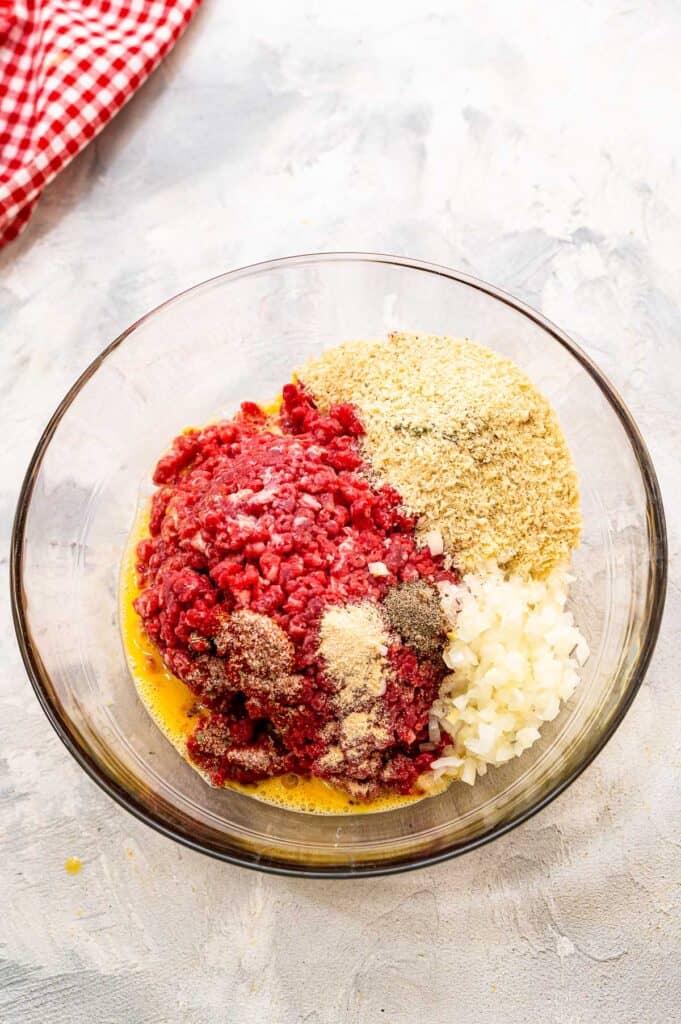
{"points": [[537, 146]]}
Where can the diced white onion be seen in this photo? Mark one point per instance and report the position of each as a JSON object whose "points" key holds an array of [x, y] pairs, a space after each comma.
{"points": [[515, 654], [434, 542], [433, 730]]}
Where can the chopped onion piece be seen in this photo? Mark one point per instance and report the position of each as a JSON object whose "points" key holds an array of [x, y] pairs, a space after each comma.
{"points": [[434, 542], [433, 730], [514, 654]]}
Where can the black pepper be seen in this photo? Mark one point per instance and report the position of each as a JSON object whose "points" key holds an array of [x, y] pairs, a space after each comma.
{"points": [[414, 612]]}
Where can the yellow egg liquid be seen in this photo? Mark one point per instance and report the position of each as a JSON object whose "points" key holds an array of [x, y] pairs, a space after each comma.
{"points": [[174, 709]]}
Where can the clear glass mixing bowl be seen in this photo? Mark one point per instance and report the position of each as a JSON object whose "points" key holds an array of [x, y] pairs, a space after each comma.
{"points": [[238, 337]]}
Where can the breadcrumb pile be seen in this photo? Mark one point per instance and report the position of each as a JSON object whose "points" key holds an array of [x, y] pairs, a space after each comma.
{"points": [[471, 445]]}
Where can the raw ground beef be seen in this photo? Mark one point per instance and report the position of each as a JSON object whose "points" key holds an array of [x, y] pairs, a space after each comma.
{"points": [[274, 516]]}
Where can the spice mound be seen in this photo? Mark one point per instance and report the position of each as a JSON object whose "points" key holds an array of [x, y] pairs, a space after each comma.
{"points": [[467, 440], [367, 588]]}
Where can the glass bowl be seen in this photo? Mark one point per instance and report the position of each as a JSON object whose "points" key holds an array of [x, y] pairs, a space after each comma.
{"points": [[197, 356]]}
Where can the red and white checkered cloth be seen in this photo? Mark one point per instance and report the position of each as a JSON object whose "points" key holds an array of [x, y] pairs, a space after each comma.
{"points": [[66, 67]]}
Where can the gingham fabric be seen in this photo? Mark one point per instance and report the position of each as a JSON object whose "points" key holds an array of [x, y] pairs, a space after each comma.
{"points": [[66, 67]]}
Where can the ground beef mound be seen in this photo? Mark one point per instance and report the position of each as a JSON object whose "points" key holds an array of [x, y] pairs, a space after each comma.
{"points": [[258, 524]]}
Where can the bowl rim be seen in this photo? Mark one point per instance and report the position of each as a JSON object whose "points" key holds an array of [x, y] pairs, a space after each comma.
{"points": [[39, 677]]}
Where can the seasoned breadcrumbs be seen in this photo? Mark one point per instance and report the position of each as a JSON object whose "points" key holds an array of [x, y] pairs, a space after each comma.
{"points": [[468, 441]]}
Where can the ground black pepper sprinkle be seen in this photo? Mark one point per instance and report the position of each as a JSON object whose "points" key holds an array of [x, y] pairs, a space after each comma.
{"points": [[414, 611]]}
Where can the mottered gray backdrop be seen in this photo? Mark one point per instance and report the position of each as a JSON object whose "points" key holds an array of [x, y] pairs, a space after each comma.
{"points": [[537, 146]]}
